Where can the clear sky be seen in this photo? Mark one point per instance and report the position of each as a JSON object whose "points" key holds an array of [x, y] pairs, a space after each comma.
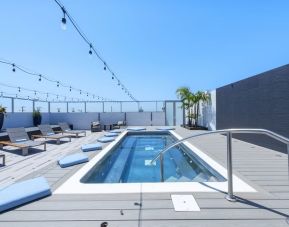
{"points": [[154, 46]]}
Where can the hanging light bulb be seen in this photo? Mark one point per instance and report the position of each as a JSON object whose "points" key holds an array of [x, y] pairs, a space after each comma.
{"points": [[57, 83], [35, 93], [118, 83], [87, 94], [63, 20], [90, 51], [40, 78], [104, 65], [80, 92], [19, 89], [70, 88], [13, 69]]}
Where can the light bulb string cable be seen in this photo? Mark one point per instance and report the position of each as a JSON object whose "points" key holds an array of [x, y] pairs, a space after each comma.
{"points": [[59, 83], [84, 37]]}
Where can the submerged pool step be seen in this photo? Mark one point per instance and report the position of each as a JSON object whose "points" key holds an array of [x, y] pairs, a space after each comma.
{"points": [[115, 173], [183, 168]]}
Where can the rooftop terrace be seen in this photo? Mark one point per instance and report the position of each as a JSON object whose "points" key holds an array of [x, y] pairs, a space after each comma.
{"points": [[265, 170]]}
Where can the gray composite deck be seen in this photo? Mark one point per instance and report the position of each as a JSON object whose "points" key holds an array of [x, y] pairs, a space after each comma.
{"points": [[264, 169]]}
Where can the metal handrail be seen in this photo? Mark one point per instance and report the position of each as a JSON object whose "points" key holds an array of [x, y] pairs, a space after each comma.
{"points": [[230, 196]]}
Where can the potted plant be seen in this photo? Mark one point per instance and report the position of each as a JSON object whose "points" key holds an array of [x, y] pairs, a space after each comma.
{"points": [[2, 115], [36, 117]]}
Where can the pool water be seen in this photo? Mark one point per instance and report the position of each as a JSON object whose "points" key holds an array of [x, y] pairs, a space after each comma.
{"points": [[130, 162]]}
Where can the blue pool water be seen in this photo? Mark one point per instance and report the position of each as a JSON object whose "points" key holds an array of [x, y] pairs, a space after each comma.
{"points": [[130, 162]]}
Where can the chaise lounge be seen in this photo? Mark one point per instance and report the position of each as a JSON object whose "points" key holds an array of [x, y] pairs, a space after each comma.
{"points": [[65, 129], [48, 133], [19, 138]]}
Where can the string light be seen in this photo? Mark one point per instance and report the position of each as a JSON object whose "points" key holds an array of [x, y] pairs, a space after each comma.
{"points": [[90, 51], [84, 37], [63, 20], [13, 69], [42, 77]]}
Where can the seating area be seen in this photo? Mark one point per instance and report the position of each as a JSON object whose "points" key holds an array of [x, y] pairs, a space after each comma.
{"points": [[67, 130], [48, 134], [20, 139]]}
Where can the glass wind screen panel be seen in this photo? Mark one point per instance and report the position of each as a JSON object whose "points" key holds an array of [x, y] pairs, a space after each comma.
{"points": [[59, 107], [94, 107], [129, 107], [179, 113], [112, 107], [169, 113], [6, 102], [147, 106], [23, 105], [43, 106]]}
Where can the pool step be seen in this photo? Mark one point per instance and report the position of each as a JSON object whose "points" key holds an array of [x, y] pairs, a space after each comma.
{"points": [[115, 173]]}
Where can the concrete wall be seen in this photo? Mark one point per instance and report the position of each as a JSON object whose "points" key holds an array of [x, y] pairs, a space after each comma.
{"points": [[261, 101], [83, 120]]}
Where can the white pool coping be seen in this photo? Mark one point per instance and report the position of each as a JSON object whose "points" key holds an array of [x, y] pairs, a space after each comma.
{"points": [[74, 186]]}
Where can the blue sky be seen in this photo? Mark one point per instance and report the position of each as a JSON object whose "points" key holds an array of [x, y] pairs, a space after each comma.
{"points": [[153, 46]]}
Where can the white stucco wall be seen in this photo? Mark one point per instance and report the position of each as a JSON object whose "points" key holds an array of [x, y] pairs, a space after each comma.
{"points": [[208, 113], [83, 120]]}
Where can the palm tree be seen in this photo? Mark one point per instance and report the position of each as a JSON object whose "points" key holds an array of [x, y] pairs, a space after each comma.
{"points": [[188, 102]]}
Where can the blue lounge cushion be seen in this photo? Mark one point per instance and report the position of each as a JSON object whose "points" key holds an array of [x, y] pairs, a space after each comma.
{"points": [[91, 147], [23, 192], [136, 129], [117, 131], [165, 128], [73, 159], [111, 134], [105, 139]]}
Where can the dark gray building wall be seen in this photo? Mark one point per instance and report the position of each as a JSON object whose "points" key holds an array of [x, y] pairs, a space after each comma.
{"points": [[261, 101]]}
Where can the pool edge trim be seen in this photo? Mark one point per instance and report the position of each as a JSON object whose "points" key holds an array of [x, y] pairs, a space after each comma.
{"points": [[74, 186]]}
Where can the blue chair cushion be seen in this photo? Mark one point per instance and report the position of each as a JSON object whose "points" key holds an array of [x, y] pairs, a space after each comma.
{"points": [[105, 139], [165, 128], [23, 192], [91, 147], [117, 131], [111, 134], [136, 129], [73, 159]]}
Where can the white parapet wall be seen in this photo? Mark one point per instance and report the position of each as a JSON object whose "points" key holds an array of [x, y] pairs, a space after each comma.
{"points": [[208, 112], [83, 120], [15, 120]]}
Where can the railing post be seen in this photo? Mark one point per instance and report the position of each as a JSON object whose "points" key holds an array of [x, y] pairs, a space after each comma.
{"points": [[230, 196], [287, 219], [162, 167], [288, 158], [12, 105]]}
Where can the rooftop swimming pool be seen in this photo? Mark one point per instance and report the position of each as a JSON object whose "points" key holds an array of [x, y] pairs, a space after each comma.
{"points": [[125, 166], [130, 162]]}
